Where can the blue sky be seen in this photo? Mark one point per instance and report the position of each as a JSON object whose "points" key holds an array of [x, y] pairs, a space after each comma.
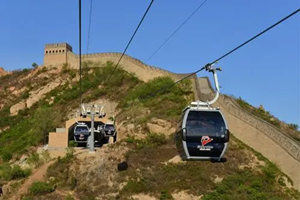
{"points": [[264, 72]]}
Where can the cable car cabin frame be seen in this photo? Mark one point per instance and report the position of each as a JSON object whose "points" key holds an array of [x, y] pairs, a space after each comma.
{"points": [[203, 133]]}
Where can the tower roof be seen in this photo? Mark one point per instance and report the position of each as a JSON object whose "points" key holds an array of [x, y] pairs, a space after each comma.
{"points": [[59, 45]]}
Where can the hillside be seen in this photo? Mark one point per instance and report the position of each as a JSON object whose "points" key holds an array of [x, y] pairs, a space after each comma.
{"points": [[34, 102], [3, 72]]}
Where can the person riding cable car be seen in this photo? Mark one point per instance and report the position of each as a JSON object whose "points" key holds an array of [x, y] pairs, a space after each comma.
{"points": [[203, 133]]}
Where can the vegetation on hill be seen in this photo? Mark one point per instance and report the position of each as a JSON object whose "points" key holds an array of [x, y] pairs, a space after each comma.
{"points": [[243, 178], [246, 175], [31, 126]]}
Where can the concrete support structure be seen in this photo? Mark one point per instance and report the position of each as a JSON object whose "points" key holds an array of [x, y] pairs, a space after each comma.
{"points": [[60, 138]]}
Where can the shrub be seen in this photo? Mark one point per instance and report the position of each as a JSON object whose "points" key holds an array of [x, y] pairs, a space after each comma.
{"points": [[294, 126], [134, 186], [27, 198], [156, 139], [73, 144], [34, 65], [17, 172], [152, 140], [165, 195], [38, 188], [34, 160], [69, 197], [6, 156], [65, 68], [8, 172], [46, 155], [25, 95]]}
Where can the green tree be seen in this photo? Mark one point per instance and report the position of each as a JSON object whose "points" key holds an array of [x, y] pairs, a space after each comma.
{"points": [[34, 65]]}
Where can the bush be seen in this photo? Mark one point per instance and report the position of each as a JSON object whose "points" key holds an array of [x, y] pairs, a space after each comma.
{"points": [[65, 68], [34, 160], [134, 186], [27, 198], [73, 144], [12, 173], [17, 172], [156, 139], [294, 126], [152, 140], [69, 197], [165, 195], [34, 65], [38, 188], [6, 156]]}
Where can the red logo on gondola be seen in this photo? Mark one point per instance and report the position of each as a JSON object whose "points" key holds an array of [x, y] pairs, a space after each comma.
{"points": [[205, 140]]}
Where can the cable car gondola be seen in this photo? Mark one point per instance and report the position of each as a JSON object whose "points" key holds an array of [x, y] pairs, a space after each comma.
{"points": [[81, 133], [108, 130], [203, 133]]}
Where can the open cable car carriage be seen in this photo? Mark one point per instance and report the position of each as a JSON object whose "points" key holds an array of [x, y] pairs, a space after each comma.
{"points": [[203, 133]]}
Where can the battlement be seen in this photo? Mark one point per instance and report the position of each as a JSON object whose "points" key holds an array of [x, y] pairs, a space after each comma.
{"points": [[57, 46]]}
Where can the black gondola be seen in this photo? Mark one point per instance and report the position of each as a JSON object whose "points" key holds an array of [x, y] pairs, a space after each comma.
{"points": [[203, 133], [109, 130], [81, 133]]}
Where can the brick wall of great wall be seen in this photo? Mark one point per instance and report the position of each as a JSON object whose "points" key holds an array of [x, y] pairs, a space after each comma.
{"points": [[287, 143], [128, 63]]}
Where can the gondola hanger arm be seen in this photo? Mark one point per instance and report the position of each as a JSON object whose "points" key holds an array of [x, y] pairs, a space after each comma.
{"points": [[210, 68]]}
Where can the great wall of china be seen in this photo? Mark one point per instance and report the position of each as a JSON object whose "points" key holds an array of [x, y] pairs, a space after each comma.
{"points": [[58, 54], [255, 132]]}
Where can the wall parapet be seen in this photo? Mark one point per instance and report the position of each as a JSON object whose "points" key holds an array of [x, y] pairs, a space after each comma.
{"points": [[287, 143], [127, 57], [72, 59], [54, 45]]}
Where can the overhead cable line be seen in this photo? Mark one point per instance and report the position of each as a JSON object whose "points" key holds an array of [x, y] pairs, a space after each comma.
{"points": [[80, 85], [226, 54], [256, 36], [177, 29], [137, 28], [89, 27]]}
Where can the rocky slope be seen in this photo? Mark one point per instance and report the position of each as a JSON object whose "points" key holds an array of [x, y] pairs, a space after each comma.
{"points": [[3, 72]]}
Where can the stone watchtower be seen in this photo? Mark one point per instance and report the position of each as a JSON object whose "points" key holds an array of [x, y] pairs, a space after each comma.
{"points": [[56, 54]]}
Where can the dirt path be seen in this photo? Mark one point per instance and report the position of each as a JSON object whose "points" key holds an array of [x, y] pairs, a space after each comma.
{"points": [[37, 175]]}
